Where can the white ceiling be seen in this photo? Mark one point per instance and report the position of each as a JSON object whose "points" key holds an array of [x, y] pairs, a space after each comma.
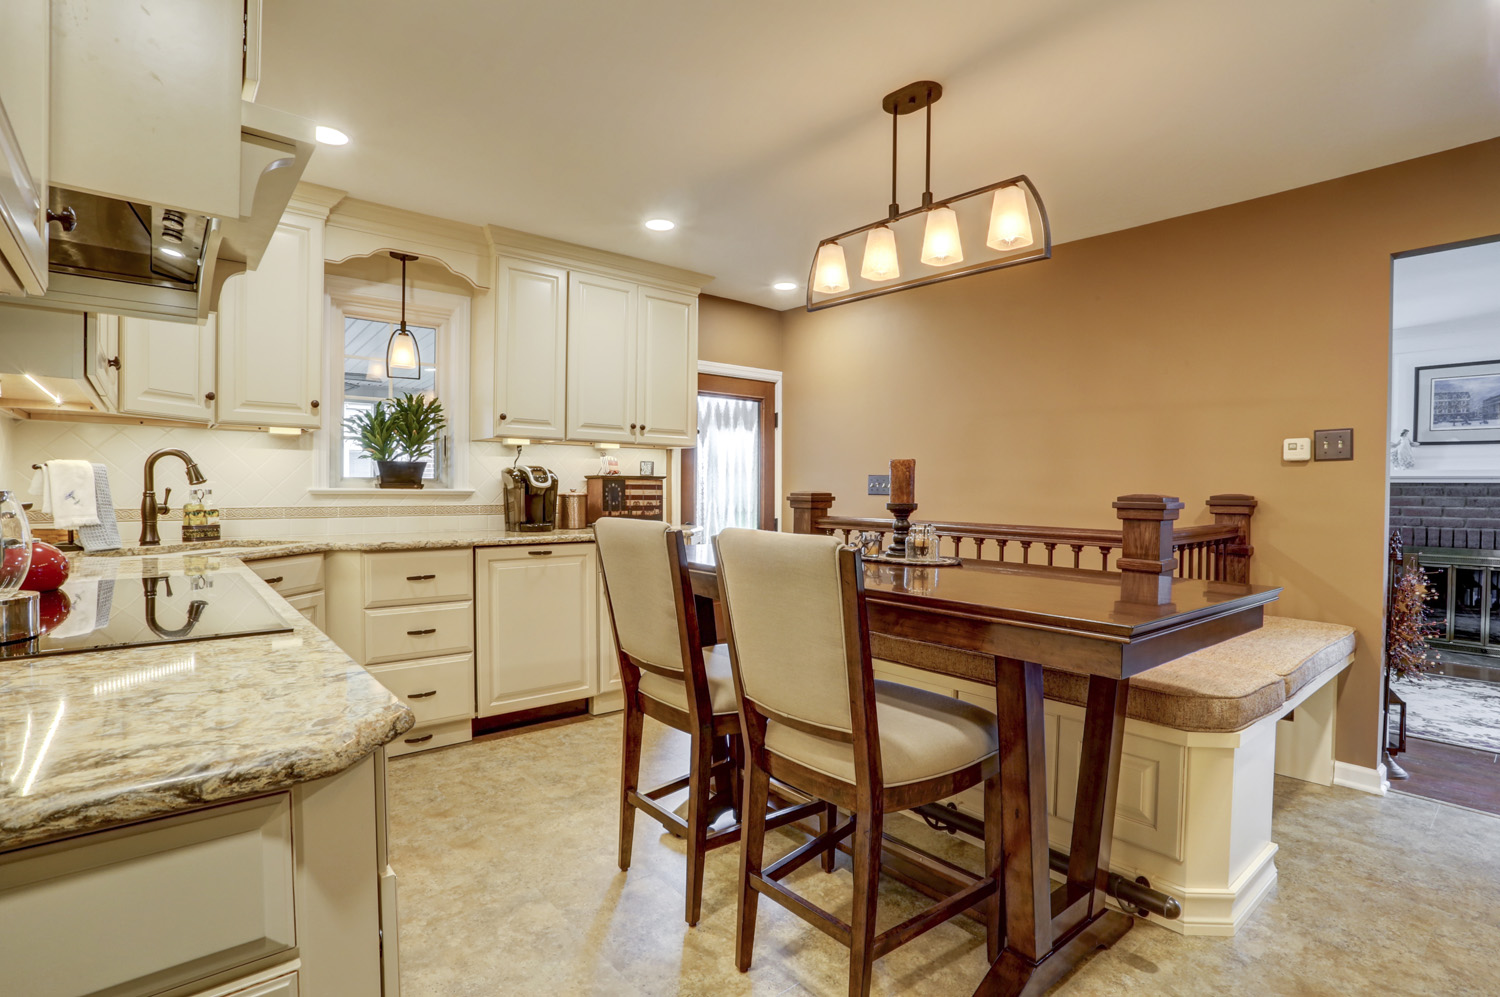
{"points": [[1447, 286], [757, 125]]}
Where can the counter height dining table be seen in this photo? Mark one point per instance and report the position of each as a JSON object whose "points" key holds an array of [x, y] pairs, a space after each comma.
{"points": [[1107, 625]]}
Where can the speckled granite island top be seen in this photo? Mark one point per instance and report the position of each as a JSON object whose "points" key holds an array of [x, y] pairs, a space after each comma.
{"points": [[250, 549], [95, 739]]}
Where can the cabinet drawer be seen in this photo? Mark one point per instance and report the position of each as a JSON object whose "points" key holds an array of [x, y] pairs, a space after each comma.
{"points": [[418, 631], [436, 689], [432, 736], [290, 575], [408, 577], [146, 908]]}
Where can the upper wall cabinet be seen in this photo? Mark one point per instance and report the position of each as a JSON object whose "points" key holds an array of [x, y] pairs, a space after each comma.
{"points": [[531, 350], [587, 346], [167, 369], [271, 333], [24, 127], [666, 368]]}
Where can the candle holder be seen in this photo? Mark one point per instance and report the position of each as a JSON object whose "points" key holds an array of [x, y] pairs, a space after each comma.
{"points": [[902, 511]]}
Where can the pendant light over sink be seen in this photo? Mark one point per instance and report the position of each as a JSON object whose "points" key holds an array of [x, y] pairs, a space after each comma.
{"points": [[401, 351], [1001, 220]]}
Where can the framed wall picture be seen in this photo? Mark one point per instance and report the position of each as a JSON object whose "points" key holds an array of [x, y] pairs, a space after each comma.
{"points": [[1457, 403], [648, 467]]}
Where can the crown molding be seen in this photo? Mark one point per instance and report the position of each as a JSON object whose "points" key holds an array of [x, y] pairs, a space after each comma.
{"points": [[509, 242], [363, 228], [315, 199]]}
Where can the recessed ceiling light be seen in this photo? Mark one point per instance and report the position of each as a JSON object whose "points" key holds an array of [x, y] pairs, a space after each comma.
{"points": [[331, 136], [660, 224], [169, 251], [785, 285]]}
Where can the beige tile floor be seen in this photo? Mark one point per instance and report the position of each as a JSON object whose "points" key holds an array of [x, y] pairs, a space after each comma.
{"points": [[506, 855]]}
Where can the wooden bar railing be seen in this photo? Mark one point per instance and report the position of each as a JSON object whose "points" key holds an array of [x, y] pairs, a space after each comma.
{"points": [[1218, 552]]}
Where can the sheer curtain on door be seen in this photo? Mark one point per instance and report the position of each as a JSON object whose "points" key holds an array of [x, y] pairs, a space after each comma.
{"points": [[728, 464]]}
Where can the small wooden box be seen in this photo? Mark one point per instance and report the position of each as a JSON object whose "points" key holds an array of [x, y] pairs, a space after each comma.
{"points": [[632, 496]]}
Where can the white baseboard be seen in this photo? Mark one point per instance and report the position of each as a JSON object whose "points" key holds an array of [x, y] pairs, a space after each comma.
{"points": [[1366, 780]]}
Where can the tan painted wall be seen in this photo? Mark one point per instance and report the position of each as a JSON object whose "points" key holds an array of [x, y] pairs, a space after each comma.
{"points": [[738, 333], [1170, 358]]}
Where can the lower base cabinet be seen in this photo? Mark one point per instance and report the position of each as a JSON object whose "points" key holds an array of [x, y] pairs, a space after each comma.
{"points": [[537, 626]]}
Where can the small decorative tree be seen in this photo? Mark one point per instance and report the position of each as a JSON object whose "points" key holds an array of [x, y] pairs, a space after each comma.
{"points": [[1409, 629], [405, 427]]}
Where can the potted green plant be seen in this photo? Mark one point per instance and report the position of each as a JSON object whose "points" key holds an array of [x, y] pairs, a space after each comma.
{"points": [[399, 435]]}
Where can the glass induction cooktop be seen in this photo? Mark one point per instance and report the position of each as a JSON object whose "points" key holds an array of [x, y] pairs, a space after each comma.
{"points": [[100, 610]]}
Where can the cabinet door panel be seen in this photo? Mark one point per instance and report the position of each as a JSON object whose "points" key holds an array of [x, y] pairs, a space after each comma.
{"points": [[667, 378], [609, 654], [271, 333], [537, 626], [167, 369], [531, 354], [601, 359]]}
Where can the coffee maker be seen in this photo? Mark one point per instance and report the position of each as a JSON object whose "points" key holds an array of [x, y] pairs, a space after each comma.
{"points": [[530, 499]]}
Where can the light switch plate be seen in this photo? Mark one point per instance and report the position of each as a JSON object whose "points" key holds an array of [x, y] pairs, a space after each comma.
{"points": [[880, 484], [1299, 448], [1333, 444]]}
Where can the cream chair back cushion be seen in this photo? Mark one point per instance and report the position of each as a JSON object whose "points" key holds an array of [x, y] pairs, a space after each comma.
{"points": [[782, 593], [636, 569]]}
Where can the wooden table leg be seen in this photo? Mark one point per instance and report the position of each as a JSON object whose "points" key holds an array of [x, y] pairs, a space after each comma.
{"points": [[1037, 918]]}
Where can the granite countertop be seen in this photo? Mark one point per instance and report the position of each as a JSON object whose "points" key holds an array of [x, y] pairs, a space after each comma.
{"points": [[249, 549], [96, 739]]}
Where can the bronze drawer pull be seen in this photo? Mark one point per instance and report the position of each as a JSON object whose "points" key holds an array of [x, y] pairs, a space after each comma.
{"points": [[273, 581], [421, 633], [420, 578], [422, 695], [540, 553], [419, 740]]}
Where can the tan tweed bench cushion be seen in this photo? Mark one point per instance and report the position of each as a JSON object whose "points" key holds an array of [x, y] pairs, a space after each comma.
{"points": [[1226, 687]]}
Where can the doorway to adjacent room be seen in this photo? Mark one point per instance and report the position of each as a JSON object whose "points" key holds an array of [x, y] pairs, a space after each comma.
{"points": [[730, 477]]}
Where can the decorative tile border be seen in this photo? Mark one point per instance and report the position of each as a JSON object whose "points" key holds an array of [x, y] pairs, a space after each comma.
{"points": [[308, 512]]}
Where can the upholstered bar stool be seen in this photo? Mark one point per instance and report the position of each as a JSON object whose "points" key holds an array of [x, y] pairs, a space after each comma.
{"points": [[669, 677], [816, 719]]}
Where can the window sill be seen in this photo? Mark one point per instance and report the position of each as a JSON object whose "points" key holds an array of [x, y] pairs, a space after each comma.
{"points": [[396, 493]]}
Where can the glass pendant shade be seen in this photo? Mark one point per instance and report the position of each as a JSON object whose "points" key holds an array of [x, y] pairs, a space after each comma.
{"points": [[940, 244], [401, 354], [1010, 220], [880, 255], [830, 274]]}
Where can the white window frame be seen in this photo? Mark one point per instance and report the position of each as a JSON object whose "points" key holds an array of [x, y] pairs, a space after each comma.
{"points": [[440, 310]]}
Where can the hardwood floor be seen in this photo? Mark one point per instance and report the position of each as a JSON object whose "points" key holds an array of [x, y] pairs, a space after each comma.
{"points": [[1451, 774]]}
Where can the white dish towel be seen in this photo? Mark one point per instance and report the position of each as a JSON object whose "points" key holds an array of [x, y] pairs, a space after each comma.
{"points": [[66, 488]]}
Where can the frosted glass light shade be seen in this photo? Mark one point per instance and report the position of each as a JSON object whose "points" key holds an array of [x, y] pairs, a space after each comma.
{"points": [[880, 255], [940, 244], [830, 274], [1010, 220], [401, 354]]}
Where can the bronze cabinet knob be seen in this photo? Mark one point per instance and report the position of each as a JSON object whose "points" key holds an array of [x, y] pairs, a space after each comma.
{"points": [[503, 417], [113, 362], [314, 403], [208, 396]]}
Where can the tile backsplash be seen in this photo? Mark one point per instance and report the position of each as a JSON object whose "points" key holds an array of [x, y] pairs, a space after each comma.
{"points": [[261, 482]]}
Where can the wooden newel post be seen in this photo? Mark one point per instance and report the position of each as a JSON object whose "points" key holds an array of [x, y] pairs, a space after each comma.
{"points": [[809, 508], [1235, 510], [1146, 561]]}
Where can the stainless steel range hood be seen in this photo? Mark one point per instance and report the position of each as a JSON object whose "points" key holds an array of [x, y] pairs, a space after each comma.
{"points": [[123, 257]]}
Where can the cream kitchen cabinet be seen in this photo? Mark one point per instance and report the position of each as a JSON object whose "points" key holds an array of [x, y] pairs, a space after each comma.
{"points": [[167, 369], [666, 368], [25, 30], [610, 695], [101, 358], [299, 580], [531, 350], [537, 625], [270, 368]]}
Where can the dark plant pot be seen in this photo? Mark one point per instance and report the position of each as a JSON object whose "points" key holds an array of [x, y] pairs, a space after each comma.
{"points": [[401, 473]]}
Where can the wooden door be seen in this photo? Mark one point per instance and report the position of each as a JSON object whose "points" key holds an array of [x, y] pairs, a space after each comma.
{"points": [[761, 394], [271, 333], [167, 369], [601, 359], [537, 626], [667, 376], [531, 350]]}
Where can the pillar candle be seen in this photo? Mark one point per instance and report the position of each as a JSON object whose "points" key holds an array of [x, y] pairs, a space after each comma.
{"points": [[903, 481]]}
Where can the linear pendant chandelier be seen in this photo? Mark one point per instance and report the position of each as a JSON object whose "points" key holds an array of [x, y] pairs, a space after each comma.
{"points": [[1000, 225]]}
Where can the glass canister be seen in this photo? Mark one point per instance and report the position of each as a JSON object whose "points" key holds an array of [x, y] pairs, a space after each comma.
{"points": [[15, 538], [921, 542]]}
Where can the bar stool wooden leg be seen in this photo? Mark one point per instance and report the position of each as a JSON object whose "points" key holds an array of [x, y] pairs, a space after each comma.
{"points": [[700, 793], [868, 829], [994, 862], [827, 821], [752, 847], [630, 777]]}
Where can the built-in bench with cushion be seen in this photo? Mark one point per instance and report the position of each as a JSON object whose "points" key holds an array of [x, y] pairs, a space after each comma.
{"points": [[1206, 734]]}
